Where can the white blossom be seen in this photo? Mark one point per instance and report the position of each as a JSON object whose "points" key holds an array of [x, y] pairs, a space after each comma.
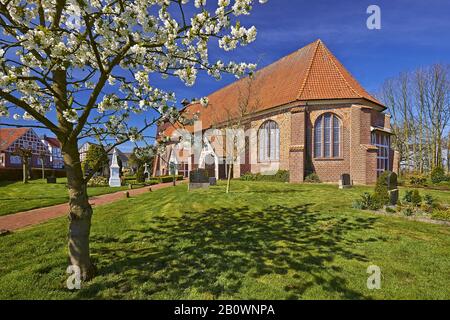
{"points": [[148, 36], [204, 102]]}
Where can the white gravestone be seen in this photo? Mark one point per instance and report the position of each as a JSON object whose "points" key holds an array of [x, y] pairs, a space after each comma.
{"points": [[146, 173], [114, 176]]}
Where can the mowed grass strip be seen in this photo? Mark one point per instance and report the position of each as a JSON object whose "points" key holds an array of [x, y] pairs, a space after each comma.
{"points": [[261, 241], [17, 196]]}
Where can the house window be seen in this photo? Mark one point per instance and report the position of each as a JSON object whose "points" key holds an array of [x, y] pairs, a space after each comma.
{"points": [[183, 169], [382, 142], [269, 142], [327, 136], [15, 160]]}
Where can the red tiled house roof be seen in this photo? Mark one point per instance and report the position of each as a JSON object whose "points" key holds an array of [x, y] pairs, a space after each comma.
{"points": [[310, 73], [9, 135], [53, 142]]}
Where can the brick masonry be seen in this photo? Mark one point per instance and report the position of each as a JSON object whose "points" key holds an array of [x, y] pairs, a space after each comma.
{"points": [[357, 156]]}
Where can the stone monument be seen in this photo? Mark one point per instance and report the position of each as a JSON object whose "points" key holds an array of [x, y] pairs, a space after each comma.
{"points": [[198, 179], [114, 176], [392, 186], [146, 173], [344, 181]]}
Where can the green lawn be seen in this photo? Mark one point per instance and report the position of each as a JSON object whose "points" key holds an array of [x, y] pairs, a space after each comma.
{"points": [[262, 241], [16, 196]]}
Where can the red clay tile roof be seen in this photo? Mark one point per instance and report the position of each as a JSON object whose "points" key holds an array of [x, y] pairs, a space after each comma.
{"points": [[53, 141], [9, 135], [310, 73]]}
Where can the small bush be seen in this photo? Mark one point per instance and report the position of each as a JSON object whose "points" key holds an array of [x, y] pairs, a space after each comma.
{"points": [[408, 211], [417, 180], [140, 176], [367, 201], [408, 196], [381, 188], [441, 214], [248, 177], [438, 175], [390, 210], [97, 182], [312, 177], [429, 200], [416, 198], [282, 176], [412, 197]]}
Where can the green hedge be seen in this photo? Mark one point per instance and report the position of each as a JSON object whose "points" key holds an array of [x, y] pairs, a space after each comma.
{"points": [[164, 179], [280, 176], [146, 183], [15, 174]]}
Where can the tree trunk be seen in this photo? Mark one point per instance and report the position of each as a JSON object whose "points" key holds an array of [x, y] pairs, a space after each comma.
{"points": [[25, 170], [80, 213], [43, 168], [230, 167], [448, 154]]}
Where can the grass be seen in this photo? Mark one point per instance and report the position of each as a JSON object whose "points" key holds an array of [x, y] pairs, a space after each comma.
{"points": [[261, 241], [17, 197]]}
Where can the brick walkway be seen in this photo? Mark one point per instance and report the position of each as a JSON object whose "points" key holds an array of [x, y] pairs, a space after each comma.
{"points": [[28, 218]]}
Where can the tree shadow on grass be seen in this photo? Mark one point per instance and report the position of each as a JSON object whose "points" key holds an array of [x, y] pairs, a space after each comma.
{"points": [[212, 252]]}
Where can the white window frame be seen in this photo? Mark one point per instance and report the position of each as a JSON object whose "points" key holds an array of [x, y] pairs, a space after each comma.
{"points": [[334, 148], [269, 142], [383, 150]]}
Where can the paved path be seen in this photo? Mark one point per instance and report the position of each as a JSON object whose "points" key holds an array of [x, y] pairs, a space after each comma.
{"points": [[28, 218]]}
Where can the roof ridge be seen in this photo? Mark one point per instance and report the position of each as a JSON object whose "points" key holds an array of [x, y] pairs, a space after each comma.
{"points": [[372, 98], [308, 70], [258, 71]]}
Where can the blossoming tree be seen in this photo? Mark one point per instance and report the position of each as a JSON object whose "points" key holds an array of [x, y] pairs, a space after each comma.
{"points": [[81, 68]]}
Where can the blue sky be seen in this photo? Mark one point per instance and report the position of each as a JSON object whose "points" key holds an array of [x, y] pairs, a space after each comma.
{"points": [[413, 33]]}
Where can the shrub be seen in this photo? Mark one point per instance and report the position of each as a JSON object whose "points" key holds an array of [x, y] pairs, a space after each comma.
{"points": [[390, 210], [97, 182], [146, 183], [140, 176], [441, 214], [381, 188], [164, 179], [412, 197], [417, 180], [428, 199], [416, 198], [408, 211], [438, 175], [152, 182], [408, 196], [248, 177], [367, 201], [312, 177], [280, 176]]}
